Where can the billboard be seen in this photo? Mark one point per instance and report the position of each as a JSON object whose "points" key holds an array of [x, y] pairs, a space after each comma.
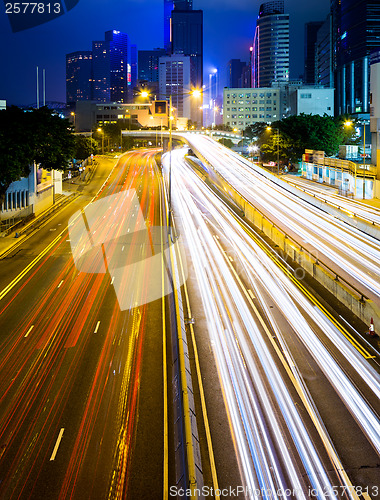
{"points": [[160, 108]]}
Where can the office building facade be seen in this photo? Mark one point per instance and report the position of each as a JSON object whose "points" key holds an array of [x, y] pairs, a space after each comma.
{"points": [[101, 71], [234, 72], [79, 76], [355, 34], [148, 64], [175, 81], [187, 40], [271, 45], [169, 6], [243, 107], [323, 55], [107, 73], [311, 31]]}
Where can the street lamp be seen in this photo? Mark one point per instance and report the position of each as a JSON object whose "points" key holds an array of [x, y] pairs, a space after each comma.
{"points": [[101, 131], [278, 148], [348, 123], [73, 115], [364, 165]]}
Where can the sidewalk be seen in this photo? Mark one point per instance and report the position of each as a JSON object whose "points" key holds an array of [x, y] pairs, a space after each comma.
{"points": [[317, 186]]}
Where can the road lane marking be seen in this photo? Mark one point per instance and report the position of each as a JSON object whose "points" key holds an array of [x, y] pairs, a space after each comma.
{"points": [[58, 442], [113, 279], [60, 284], [30, 329], [251, 294], [97, 327]]}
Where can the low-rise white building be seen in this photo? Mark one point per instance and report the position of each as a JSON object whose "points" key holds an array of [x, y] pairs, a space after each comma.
{"points": [[311, 101], [243, 107]]}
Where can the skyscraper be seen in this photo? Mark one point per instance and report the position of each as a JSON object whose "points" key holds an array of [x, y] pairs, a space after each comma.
{"points": [[169, 6], [101, 71], [234, 72], [355, 34], [323, 55], [271, 45], [107, 73], [148, 64], [119, 65], [79, 76], [311, 30], [174, 77], [187, 39]]}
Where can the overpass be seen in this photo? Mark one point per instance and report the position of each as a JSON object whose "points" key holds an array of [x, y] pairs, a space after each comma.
{"points": [[154, 136]]}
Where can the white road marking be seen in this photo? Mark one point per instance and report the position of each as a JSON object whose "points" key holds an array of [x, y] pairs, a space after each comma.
{"points": [[30, 329], [113, 278], [60, 284], [97, 327], [251, 294], [57, 444]]}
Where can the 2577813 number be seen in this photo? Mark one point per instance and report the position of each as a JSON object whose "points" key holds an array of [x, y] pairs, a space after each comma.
{"points": [[32, 8]]}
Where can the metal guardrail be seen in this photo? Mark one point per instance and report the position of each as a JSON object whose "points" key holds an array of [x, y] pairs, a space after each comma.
{"points": [[44, 215], [12, 223], [335, 205]]}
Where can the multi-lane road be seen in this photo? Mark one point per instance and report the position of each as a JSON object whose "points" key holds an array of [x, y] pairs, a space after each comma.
{"points": [[86, 406], [302, 401], [83, 403]]}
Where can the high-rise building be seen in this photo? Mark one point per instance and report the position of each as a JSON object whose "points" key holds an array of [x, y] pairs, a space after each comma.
{"points": [[119, 65], [323, 55], [187, 39], [234, 71], [169, 6], [134, 68], [148, 64], [101, 71], [311, 30], [107, 73], [79, 76], [174, 81], [271, 45], [355, 34]]}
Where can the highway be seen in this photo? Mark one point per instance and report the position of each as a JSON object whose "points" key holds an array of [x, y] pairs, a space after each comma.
{"points": [[84, 405], [349, 252], [302, 402]]}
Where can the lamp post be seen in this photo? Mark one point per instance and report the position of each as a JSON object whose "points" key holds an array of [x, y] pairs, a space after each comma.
{"points": [[73, 115], [348, 123], [101, 131], [364, 164], [278, 148]]}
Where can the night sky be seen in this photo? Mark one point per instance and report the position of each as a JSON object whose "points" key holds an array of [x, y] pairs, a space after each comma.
{"points": [[228, 33]]}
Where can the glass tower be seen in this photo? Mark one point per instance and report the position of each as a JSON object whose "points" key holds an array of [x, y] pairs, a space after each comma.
{"points": [[355, 34], [271, 45]]}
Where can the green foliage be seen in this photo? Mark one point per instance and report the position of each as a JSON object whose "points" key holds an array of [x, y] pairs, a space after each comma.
{"points": [[25, 137], [299, 132], [84, 147], [226, 142]]}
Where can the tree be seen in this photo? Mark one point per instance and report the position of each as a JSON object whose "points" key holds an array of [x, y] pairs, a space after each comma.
{"points": [[54, 141], [84, 147], [300, 132], [226, 142], [25, 137]]}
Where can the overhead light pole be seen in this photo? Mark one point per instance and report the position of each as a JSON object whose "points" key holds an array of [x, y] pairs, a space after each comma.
{"points": [[101, 131], [278, 148]]}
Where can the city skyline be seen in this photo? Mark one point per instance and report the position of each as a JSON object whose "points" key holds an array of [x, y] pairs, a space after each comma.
{"points": [[28, 49]]}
